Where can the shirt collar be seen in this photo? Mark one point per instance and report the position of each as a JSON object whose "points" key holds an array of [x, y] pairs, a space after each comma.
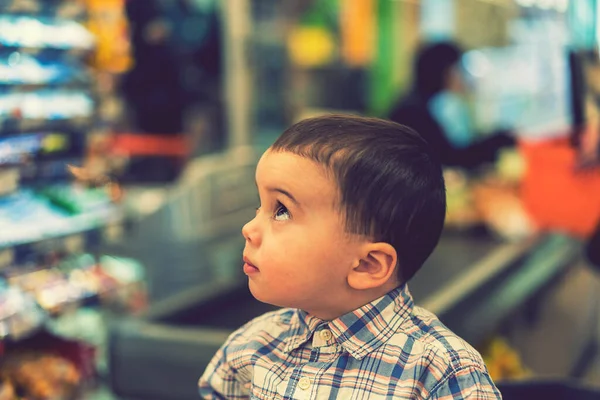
{"points": [[302, 327], [360, 331]]}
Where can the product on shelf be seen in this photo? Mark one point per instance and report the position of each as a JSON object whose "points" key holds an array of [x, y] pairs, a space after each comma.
{"points": [[20, 68], [40, 109], [76, 280], [48, 367], [66, 9], [30, 216], [50, 287], [42, 32], [107, 20], [14, 150], [19, 313], [25, 216], [9, 180], [76, 199], [127, 276], [28, 148], [42, 375]]}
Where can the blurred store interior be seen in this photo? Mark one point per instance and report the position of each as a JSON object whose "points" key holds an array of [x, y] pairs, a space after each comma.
{"points": [[129, 134]]}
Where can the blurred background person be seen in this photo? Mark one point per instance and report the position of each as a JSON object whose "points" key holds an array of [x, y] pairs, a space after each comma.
{"points": [[434, 107], [153, 88]]}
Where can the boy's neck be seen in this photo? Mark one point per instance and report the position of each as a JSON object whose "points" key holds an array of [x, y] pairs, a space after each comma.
{"points": [[351, 302]]}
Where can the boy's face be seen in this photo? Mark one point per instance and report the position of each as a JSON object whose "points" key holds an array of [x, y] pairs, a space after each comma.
{"points": [[297, 253]]}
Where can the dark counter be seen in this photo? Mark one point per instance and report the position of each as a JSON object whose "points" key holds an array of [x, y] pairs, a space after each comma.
{"points": [[474, 284]]}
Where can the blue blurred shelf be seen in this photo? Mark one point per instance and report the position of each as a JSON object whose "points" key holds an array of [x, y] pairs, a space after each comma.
{"points": [[31, 225]]}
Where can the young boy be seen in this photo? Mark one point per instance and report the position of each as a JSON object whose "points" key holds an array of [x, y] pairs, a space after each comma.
{"points": [[350, 208]]}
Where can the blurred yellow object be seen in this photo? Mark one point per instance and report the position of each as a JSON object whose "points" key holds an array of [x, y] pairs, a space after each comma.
{"points": [[503, 362], [107, 21], [511, 165], [52, 143], [461, 211], [310, 46]]}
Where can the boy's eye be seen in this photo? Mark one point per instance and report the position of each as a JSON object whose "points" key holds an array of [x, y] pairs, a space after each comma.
{"points": [[281, 213]]}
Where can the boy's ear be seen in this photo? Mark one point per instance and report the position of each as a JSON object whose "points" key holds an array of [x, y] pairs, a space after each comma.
{"points": [[375, 267]]}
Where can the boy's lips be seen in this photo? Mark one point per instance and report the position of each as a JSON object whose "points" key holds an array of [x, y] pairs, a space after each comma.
{"points": [[249, 268]]}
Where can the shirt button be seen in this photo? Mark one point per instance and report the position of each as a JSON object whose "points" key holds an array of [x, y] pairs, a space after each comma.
{"points": [[326, 335], [304, 383]]}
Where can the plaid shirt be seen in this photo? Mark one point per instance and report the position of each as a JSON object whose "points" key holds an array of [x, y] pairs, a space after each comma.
{"points": [[386, 349]]}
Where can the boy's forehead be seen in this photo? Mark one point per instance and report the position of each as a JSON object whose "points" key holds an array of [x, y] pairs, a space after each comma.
{"points": [[295, 172], [283, 162], [272, 164]]}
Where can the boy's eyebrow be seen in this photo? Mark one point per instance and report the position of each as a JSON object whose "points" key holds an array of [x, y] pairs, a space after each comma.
{"points": [[283, 192]]}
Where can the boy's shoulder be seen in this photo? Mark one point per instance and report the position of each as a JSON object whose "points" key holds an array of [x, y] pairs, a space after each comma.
{"points": [[437, 343]]}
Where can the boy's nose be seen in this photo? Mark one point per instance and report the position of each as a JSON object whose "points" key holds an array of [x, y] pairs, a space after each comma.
{"points": [[250, 232]]}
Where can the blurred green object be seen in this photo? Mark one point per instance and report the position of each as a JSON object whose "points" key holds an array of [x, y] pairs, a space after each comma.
{"points": [[321, 14], [76, 200], [125, 270], [382, 89]]}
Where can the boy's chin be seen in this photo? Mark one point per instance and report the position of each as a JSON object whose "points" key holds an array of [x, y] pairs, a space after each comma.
{"points": [[257, 293], [265, 298]]}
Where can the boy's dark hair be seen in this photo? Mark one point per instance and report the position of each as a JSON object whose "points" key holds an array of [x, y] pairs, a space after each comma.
{"points": [[391, 185]]}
